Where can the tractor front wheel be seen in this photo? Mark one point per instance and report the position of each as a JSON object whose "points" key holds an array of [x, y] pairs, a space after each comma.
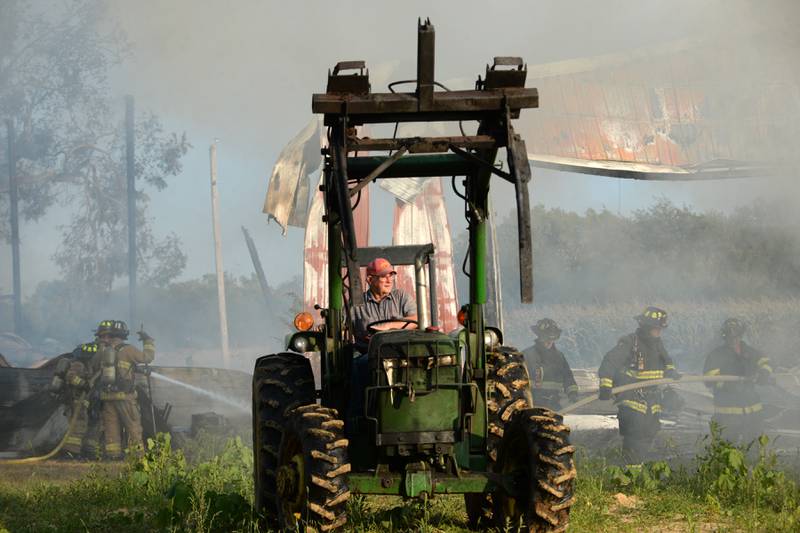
{"points": [[536, 457], [281, 382], [312, 471], [509, 391]]}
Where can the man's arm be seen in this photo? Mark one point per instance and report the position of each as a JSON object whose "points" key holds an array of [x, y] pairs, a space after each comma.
{"points": [[669, 365], [570, 386], [610, 364], [134, 355]]}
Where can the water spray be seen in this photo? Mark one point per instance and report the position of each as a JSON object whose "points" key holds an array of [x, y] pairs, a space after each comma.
{"points": [[245, 408]]}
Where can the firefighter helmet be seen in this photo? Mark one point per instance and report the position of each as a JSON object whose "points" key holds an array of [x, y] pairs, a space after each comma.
{"points": [[652, 317], [733, 328], [114, 328], [547, 329], [86, 351], [105, 327]]}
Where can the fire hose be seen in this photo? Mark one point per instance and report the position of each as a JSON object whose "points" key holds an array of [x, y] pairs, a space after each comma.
{"points": [[72, 419], [51, 453], [653, 383]]}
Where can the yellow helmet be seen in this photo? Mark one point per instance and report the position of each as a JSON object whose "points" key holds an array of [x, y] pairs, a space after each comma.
{"points": [[652, 317]]}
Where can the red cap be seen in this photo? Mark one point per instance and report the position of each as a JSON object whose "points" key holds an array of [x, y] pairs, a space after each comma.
{"points": [[380, 267]]}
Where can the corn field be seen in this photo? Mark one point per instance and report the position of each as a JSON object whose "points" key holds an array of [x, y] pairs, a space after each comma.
{"points": [[590, 331]]}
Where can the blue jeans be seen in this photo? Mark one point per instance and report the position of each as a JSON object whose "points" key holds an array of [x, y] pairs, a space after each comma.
{"points": [[359, 381]]}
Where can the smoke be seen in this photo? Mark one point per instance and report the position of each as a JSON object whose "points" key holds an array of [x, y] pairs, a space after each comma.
{"points": [[244, 72]]}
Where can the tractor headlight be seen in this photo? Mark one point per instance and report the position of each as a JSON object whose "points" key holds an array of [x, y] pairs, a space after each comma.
{"points": [[491, 339], [300, 344]]}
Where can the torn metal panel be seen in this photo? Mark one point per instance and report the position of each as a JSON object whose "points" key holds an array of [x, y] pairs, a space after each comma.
{"points": [[425, 221], [404, 189], [315, 258], [446, 291], [287, 196], [641, 171], [315, 247], [678, 105]]}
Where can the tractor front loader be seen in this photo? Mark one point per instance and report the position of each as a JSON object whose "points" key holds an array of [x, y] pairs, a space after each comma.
{"points": [[441, 413]]}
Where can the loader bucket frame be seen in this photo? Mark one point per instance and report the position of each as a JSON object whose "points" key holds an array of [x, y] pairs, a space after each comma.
{"points": [[497, 99]]}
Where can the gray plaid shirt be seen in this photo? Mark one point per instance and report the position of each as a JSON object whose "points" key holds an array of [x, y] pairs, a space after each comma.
{"points": [[396, 304]]}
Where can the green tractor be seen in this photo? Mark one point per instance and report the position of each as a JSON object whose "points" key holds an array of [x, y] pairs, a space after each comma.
{"points": [[440, 413]]}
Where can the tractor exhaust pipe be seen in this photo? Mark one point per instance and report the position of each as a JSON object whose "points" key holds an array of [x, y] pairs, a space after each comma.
{"points": [[423, 316]]}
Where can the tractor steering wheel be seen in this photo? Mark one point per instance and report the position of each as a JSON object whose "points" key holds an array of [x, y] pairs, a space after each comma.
{"points": [[406, 322]]}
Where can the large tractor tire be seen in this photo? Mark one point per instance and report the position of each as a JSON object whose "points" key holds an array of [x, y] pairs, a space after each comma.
{"points": [[536, 453], [312, 471], [281, 383], [509, 391]]}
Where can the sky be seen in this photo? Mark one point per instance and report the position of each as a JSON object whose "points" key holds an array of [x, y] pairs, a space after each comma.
{"points": [[243, 73]]}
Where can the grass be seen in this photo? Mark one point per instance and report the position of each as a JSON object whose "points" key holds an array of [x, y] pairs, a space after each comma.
{"points": [[726, 488]]}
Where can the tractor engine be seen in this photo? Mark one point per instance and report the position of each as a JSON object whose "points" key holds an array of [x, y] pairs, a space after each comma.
{"points": [[413, 400]]}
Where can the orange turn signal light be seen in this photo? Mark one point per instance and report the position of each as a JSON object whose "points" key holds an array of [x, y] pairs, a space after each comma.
{"points": [[303, 321], [463, 316]]}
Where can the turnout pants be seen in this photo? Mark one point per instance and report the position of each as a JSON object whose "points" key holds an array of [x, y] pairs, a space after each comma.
{"points": [[740, 428], [638, 430], [74, 443], [547, 398], [119, 414]]}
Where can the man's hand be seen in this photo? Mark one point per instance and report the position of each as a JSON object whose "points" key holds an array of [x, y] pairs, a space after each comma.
{"points": [[605, 393], [143, 336]]}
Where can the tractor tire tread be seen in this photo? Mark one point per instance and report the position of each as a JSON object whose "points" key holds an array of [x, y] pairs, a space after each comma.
{"points": [[509, 391], [551, 467], [326, 465], [281, 382]]}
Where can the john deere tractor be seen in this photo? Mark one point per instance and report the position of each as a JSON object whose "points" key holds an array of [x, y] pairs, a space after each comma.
{"points": [[441, 413]]}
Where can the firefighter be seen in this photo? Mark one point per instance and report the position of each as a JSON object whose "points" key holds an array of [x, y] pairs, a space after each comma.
{"points": [[120, 408], [638, 357], [550, 370], [73, 380], [737, 406]]}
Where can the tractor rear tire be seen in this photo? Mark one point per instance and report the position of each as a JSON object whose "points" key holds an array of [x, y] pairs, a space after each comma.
{"points": [[281, 382], [509, 390], [312, 471], [536, 453]]}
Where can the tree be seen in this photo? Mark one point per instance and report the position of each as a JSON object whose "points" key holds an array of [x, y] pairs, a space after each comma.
{"points": [[55, 59], [93, 251]]}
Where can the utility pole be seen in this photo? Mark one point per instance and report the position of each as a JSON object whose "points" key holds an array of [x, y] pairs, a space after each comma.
{"points": [[14, 212], [131, 174], [223, 313], [262, 279]]}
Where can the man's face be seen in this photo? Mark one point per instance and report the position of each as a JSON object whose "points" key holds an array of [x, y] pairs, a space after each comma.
{"points": [[655, 332], [734, 342], [107, 339], [381, 285], [548, 343]]}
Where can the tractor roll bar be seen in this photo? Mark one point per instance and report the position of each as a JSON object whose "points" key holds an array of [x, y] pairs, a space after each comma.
{"points": [[417, 255], [497, 99]]}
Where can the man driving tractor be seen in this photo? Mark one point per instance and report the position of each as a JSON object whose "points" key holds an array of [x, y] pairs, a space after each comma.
{"points": [[382, 304]]}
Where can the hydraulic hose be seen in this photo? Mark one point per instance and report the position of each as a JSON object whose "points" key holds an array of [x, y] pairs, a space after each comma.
{"points": [[51, 453], [653, 383]]}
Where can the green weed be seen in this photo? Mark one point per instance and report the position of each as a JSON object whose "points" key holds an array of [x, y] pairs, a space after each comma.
{"points": [[725, 488]]}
